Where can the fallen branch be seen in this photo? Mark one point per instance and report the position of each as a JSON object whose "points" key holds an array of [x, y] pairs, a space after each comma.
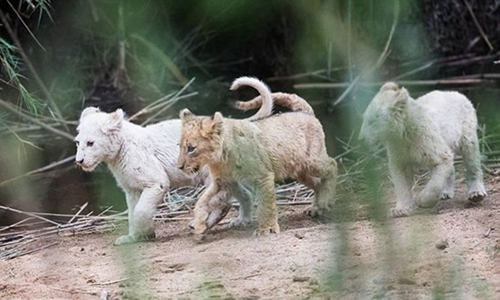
{"points": [[476, 22], [34, 215], [174, 100], [34, 120], [401, 82], [39, 170], [112, 282]]}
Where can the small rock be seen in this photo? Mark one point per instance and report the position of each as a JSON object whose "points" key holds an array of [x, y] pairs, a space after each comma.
{"points": [[442, 245], [301, 278], [404, 280], [103, 295], [299, 235]]}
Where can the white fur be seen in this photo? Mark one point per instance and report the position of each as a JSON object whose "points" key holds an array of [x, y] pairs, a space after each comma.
{"points": [[142, 160], [267, 99], [424, 133]]}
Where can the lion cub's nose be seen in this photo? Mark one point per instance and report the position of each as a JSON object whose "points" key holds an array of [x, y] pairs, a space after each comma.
{"points": [[181, 167]]}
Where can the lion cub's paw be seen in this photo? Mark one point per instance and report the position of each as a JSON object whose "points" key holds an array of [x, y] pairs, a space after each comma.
{"points": [[315, 211], [240, 222], [200, 232], [477, 196], [267, 230], [400, 212], [200, 237], [124, 239], [128, 239], [447, 195]]}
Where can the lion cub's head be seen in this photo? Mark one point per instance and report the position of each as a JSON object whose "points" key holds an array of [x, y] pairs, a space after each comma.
{"points": [[96, 140], [385, 115], [201, 141]]}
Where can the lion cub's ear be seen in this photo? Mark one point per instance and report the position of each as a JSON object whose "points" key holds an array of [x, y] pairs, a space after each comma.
{"points": [[89, 111], [186, 115], [401, 101], [114, 121], [216, 126], [389, 86]]}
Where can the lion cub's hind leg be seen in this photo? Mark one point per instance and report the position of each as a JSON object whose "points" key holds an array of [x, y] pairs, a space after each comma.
{"points": [[267, 211], [324, 182], [432, 192], [245, 211]]}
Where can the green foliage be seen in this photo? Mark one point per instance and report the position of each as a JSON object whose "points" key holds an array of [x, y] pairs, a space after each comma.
{"points": [[10, 66], [9, 53], [40, 6]]}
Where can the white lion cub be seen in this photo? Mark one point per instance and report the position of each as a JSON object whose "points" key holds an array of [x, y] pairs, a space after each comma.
{"points": [[142, 159], [424, 133]]}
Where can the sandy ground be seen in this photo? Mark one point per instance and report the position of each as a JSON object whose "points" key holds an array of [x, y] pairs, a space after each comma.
{"points": [[362, 259]]}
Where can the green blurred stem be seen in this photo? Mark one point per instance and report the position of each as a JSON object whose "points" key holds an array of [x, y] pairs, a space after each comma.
{"points": [[163, 57], [380, 59]]}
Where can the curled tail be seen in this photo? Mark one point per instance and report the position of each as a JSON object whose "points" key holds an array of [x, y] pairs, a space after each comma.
{"points": [[290, 101], [265, 98]]}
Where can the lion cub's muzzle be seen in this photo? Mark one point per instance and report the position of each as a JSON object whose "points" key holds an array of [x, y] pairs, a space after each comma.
{"points": [[189, 169]]}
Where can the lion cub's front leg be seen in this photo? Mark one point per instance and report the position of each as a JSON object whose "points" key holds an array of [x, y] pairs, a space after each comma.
{"points": [[202, 211], [402, 178], [140, 214], [267, 211]]}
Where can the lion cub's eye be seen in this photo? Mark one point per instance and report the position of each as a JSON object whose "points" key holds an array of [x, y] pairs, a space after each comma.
{"points": [[190, 149], [90, 144]]}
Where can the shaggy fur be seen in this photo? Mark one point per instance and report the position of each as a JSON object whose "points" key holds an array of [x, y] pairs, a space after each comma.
{"points": [[424, 133], [142, 160], [256, 153]]}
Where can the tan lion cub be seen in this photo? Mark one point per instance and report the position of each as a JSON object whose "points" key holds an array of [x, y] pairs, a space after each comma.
{"points": [[256, 152]]}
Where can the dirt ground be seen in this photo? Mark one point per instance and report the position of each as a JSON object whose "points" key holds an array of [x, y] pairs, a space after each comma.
{"points": [[453, 253]]}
